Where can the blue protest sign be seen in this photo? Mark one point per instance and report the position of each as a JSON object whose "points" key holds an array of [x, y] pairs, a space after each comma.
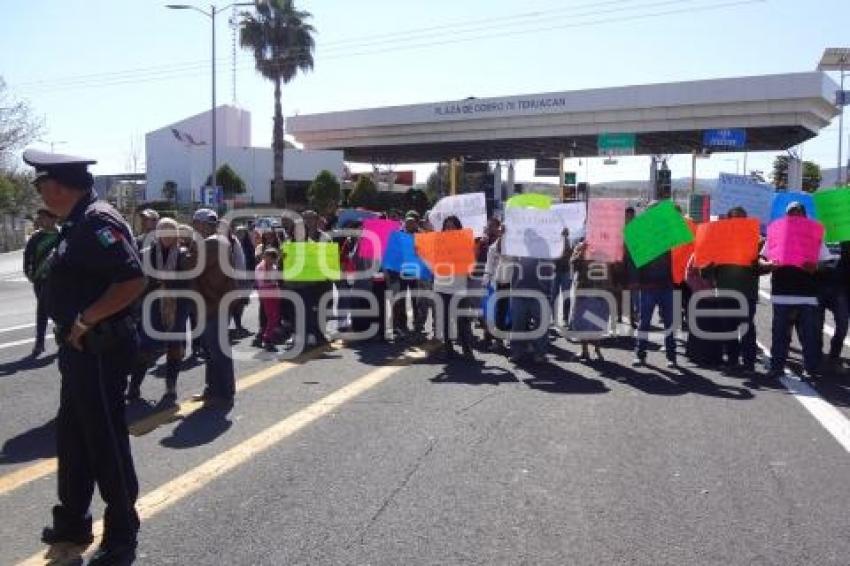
{"points": [[400, 256], [348, 215], [781, 200], [728, 138]]}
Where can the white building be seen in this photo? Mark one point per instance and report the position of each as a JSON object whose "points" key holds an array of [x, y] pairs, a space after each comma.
{"points": [[180, 152]]}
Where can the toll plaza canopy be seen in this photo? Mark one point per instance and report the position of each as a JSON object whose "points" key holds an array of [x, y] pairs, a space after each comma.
{"points": [[771, 112]]}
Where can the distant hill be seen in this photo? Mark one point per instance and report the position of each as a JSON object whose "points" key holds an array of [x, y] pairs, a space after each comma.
{"points": [[829, 179]]}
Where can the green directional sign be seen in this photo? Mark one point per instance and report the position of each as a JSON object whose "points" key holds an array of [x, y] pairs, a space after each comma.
{"points": [[616, 144], [570, 178]]}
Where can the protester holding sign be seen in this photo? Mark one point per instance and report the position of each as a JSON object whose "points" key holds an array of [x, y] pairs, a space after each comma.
{"points": [[497, 279], [832, 279], [654, 276], [451, 281], [268, 284], [563, 281], [727, 252], [401, 285], [308, 275], [591, 313], [655, 232], [531, 281], [625, 279], [793, 293]]}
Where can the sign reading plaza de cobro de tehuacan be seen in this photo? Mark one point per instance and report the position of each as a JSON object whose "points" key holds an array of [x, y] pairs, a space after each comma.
{"points": [[484, 106]]}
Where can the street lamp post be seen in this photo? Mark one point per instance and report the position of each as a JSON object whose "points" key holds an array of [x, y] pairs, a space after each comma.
{"points": [[52, 144], [211, 15]]}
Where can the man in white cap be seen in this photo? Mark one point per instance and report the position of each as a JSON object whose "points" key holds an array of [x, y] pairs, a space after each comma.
{"points": [[794, 294], [149, 217]]}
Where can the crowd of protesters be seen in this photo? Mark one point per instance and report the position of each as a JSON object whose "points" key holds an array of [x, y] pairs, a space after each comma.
{"points": [[592, 301]]}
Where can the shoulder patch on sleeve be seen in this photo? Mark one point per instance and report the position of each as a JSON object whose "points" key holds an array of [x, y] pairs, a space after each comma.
{"points": [[108, 236]]}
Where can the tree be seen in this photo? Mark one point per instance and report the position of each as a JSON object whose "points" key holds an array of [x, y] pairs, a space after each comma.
{"points": [[18, 126], [364, 194], [324, 191], [417, 200], [438, 183], [17, 195], [282, 43], [230, 181], [169, 191], [811, 174]]}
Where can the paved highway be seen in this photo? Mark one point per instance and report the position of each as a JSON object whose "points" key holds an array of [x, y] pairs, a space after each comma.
{"points": [[380, 454]]}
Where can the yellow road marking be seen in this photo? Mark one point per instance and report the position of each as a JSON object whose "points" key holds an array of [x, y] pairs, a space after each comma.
{"points": [[151, 422], [16, 479], [47, 466], [199, 477]]}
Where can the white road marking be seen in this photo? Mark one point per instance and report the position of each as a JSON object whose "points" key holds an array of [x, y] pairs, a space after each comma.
{"points": [[7, 345], [826, 414], [20, 327]]}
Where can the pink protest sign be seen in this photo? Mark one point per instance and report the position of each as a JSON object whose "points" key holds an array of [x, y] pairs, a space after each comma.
{"points": [[376, 234], [605, 220], [794, 240]]}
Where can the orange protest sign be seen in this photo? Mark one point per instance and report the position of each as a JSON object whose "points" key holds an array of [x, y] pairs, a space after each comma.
{"points": [[680, 255], [447, 253], [734, 241]]}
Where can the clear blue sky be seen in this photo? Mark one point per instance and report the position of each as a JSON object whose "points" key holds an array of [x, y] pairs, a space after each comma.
{"points": [[102, 71]]}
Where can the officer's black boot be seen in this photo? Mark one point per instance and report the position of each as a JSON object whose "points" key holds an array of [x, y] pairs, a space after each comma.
{"points": [[66, 529], [114, 555]]}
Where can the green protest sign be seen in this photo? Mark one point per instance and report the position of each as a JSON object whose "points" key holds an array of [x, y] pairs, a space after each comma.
{"points": [[530, 200], [658, 230], [310, 261], [833, 211]]}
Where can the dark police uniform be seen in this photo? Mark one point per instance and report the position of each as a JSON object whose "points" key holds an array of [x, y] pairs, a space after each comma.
{"points": [[95, 250]]}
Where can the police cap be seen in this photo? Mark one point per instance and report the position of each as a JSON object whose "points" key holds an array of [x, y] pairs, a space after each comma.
{"points": [[69, 170]]}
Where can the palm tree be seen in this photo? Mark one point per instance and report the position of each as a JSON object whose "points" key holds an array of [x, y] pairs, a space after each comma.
{"points": [[282, 42]]}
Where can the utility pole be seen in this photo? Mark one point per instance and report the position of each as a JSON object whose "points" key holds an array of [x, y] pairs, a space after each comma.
{"points": [[234, 27], [211, 15], [214, 138], [837, 59]]}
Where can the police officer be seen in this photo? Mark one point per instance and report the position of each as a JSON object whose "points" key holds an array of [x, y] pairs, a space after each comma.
{"points": [[95, 275]]}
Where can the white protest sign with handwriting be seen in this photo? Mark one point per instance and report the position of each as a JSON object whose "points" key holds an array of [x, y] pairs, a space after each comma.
{"points": [[533, 232], [471, 210], [574, 216]]}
